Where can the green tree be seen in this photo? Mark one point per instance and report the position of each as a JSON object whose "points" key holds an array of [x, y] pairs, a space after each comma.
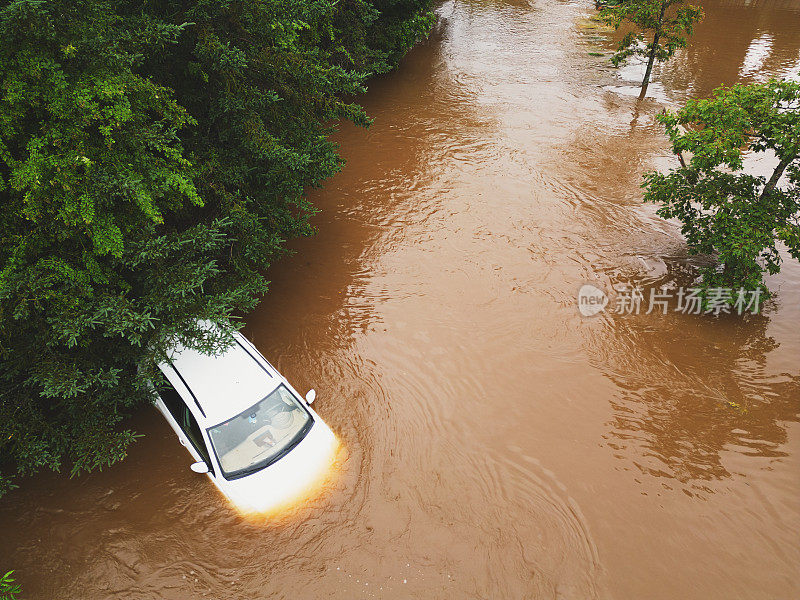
{"points": [[660, 27], [739, 218], [153, 160]]}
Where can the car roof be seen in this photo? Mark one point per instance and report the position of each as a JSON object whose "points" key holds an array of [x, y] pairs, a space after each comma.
{"points": [[222, 386]]}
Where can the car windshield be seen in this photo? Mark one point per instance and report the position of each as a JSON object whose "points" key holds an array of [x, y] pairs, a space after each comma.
{"points": [[260, 435]]}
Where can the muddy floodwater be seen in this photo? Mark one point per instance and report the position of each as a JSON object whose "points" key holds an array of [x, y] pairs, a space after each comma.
{"points": [[494, 443]]}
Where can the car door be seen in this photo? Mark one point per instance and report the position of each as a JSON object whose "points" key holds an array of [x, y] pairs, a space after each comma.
{"points": [[185, 424]]}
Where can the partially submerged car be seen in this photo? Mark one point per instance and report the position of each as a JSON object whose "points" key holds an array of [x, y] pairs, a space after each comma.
{"points": [[246, 427]]}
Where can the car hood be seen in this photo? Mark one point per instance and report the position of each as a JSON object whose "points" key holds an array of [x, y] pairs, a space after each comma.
{"points": [[288, 480]]}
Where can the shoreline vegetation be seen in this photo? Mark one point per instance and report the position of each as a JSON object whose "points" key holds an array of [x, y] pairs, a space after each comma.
{"points": [[153, 161]]}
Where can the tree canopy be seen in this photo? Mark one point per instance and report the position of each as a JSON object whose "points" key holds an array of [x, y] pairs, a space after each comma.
{"points": [[153, 161], [740, 218]]}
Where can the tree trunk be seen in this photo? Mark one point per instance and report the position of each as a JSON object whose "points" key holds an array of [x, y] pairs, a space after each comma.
{"points": [[776, 175], [681, 159], [652, 58]]}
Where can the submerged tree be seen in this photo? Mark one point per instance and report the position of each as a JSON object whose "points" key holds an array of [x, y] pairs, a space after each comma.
{"points": [[669, 22], [739, 218]]}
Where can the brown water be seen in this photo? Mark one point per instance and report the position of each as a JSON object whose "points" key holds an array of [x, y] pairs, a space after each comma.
{"points": [[495, 444]]}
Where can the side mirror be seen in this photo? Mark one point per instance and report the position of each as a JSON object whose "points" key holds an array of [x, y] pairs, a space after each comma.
{"points": [[310, 396], [200, 467]]}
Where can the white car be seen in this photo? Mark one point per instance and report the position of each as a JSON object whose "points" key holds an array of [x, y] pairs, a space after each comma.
{"points": [[247, 428]]}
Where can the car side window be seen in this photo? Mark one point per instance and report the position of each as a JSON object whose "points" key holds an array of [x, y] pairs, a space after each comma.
{"points": [[172, 399], [192, 431], [183, 416]]}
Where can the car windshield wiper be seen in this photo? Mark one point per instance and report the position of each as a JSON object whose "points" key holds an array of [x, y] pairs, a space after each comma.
{"points": [[249, 470]]}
